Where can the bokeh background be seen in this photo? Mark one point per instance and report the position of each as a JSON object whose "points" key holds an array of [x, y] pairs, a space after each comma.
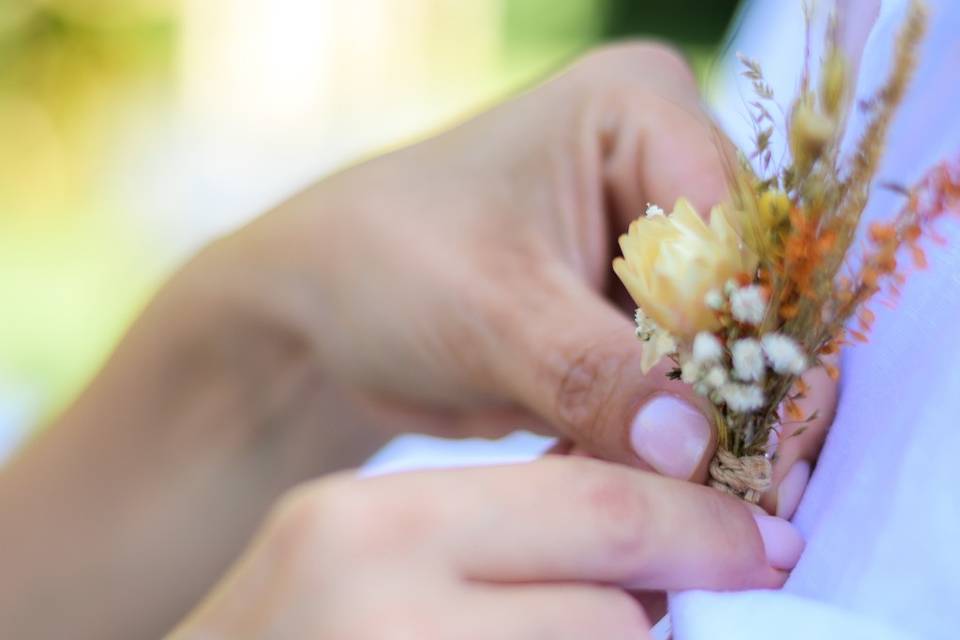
{"points": [[133, 130]]}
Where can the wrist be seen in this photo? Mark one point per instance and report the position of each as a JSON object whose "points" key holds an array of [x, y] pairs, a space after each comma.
{"points": [[204, 414], [263, 312], [232, 328]]}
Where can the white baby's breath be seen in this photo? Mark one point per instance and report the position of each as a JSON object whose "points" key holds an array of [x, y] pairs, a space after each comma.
{"points": [[715, 378], [715, 299], [742, 398], [784, 354], [748, 363], [653, 210], [707, 348], [748, 304], [659, 342], [646, 328], [691, 371], [705, 379], [729, 287]]}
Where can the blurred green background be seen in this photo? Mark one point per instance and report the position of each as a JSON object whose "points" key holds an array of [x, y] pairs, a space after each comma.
{"points": [[133, 130]]}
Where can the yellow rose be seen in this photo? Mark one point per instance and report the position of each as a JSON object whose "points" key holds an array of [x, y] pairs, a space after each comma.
{"points": [[670, 263]]}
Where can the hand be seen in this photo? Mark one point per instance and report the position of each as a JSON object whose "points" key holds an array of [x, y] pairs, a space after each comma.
{"points": [[463, 285], [454, 554]]}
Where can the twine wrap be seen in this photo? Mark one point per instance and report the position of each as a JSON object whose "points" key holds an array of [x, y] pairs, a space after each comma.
{"points": [[747, 477]]}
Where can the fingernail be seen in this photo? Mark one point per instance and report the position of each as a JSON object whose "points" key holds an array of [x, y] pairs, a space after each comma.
{"points": [[791, 488], [670, 436], [781, 541]]}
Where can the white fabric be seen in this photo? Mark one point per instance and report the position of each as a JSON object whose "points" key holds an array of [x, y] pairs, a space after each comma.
{"points": [[411, 452], [766, 614], [882, 513]]}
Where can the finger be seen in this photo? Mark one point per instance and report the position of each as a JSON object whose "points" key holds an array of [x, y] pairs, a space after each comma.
{"points": [[654, 603], [856, 23], [577, 452], [606, 523], [665, 148], [799, 444], [575, 519], [563, 447], [396, 416], [496, 423], [656, 139], [571, 357], [559, 612]]}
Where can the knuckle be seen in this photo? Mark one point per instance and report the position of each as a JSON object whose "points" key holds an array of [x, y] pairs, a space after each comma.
{"points": [[665, 55], [620, 509], [641, 55], [306, 515], [352, 519], [586, 382]]}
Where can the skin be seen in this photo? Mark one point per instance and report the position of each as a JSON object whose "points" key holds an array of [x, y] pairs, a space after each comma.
{"points": [[461, 286], [455, 564]]}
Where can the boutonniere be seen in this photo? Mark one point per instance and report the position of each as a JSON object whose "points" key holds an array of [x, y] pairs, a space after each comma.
{"points": [[774, 283]]}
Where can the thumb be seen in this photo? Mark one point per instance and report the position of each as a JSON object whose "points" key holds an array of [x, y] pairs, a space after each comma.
{"points": [[575, 361]]}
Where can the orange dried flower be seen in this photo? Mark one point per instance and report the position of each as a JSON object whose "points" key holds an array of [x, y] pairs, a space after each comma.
{"points": [[794, 412], [832, 371], [881, 233], [859, 336], [919, 257]]}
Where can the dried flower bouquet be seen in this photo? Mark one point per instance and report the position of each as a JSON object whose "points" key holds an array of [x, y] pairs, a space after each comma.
{"points": [[747, 302]]}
